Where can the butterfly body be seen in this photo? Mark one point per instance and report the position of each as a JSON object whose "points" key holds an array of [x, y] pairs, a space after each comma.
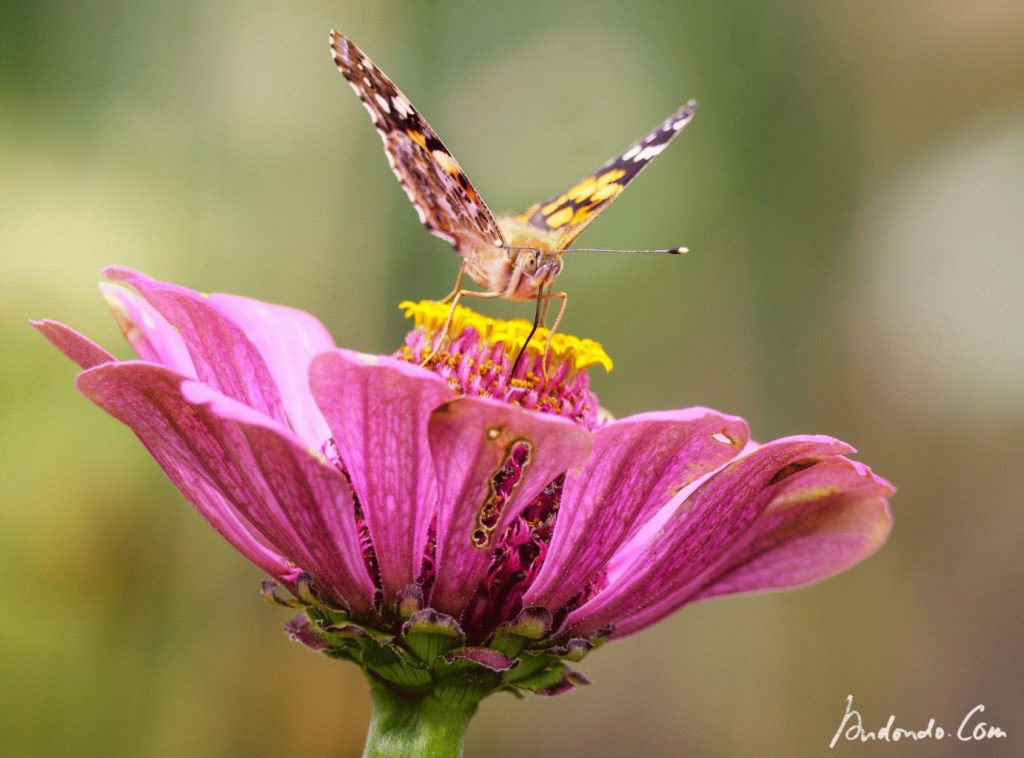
{"points": [[515, 274], [521, 267]]}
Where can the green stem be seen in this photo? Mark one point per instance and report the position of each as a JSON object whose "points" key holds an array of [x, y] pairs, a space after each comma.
{"points": [[405, 725]]}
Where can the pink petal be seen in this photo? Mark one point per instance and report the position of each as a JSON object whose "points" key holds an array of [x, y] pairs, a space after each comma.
{"points": [[377, 409], [704, 527], [256, 482], [472, 439], [825, 520], [821, 522], [288, 339], [73, 344], [639, 463], [151, 336], [224, 356]]}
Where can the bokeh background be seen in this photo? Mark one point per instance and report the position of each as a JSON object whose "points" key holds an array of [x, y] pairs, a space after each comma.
{"points": [[852, 190]]}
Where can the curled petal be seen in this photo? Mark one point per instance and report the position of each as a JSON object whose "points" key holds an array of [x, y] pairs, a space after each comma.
{"points": [[708, 524], [638, 465], [822, 521], [151, 336], [73, 344], [377, 409], [224, 356], [274, 499], [491, 460]]}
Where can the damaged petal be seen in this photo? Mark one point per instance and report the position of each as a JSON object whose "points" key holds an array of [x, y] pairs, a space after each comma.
{"points": [[502, 484]]}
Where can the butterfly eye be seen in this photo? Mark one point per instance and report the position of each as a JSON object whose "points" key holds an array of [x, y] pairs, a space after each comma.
{"points": [[528, 261]]}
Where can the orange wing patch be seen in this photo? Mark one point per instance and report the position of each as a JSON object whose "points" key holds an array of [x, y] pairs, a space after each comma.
{"points": [[418, 137], [566, 215], [578, 202]]}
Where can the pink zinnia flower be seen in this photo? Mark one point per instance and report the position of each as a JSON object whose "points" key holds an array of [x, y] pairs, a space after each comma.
{"points": [[452, 529]]}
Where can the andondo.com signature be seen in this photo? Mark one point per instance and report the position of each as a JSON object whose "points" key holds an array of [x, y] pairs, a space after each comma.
{"points": [[971, 729]]}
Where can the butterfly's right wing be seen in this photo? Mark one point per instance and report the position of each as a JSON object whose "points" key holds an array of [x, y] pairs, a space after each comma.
{"points": [[447, 203], [562, 218]]}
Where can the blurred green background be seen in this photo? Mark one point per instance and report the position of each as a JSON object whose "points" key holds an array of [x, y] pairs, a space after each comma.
{"points": [[852, 190]]}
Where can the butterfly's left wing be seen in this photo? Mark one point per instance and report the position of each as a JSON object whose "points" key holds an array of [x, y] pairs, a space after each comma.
{"points": [[447, 203], [563, 217]]}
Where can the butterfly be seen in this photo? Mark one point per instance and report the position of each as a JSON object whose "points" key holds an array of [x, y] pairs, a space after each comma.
{"points": [[514, 256]]}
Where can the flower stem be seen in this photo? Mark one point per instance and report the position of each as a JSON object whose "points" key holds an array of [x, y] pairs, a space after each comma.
{"points": [[406, 725]]}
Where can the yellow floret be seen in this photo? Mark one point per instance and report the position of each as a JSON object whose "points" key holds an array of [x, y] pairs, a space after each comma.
{"points": [[430, 315]]}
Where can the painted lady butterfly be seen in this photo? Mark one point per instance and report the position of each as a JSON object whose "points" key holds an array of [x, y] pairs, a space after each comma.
{"points": [[515, 257]]}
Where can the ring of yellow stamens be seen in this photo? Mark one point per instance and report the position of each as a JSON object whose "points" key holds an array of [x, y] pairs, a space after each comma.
{"points": [[430, 316]]}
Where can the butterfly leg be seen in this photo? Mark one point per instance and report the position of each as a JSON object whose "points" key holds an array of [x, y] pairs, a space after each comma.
{"points": [[458, 285], [456, 296]]}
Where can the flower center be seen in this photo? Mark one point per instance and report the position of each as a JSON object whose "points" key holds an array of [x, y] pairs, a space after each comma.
{"points": [[477, 353]]}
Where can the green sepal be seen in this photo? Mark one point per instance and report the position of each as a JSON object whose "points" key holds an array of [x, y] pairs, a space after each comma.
{"points": [[268, 590], [484, 657], [575, 650], [545, 679], [530, 625], [429, 658], [394, 664], [531, 664], [346, 629], [342, 654], [466, 688], [304, 590], [429, 634]]}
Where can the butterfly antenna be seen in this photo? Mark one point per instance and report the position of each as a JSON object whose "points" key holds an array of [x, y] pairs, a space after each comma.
{"points": [[664, 250]]}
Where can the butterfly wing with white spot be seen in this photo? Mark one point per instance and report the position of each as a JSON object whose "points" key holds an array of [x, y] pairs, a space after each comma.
{"points": [[447, 203], [567, 214]]}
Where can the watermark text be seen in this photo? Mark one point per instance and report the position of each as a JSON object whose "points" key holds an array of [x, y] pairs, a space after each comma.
{"points": [[972, 728]]}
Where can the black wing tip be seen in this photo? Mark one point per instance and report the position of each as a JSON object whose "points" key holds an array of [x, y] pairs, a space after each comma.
{"points": [[679, 118], [685, 113]]}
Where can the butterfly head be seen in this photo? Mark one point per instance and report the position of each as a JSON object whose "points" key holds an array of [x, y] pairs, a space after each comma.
{"points": [[532, 269]]}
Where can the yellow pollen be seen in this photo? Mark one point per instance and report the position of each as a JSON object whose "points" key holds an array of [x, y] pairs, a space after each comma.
{"points": [[430, 315]]}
